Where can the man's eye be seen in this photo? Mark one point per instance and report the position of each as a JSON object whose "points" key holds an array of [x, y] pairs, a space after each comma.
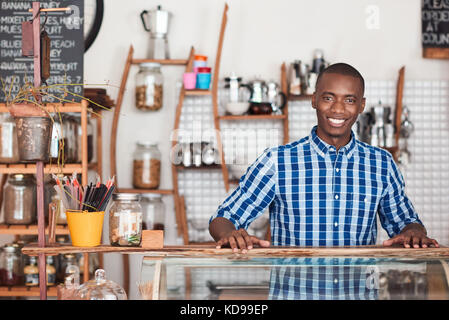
{"points": [[327, 98], [350, 100]]}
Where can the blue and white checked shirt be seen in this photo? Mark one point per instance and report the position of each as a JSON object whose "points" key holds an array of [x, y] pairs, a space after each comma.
{"points": [[318, 197], [325, 279]]}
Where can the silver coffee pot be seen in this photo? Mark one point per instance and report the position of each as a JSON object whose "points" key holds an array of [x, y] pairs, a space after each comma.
{"points": [[276, 97], [156, 22]]}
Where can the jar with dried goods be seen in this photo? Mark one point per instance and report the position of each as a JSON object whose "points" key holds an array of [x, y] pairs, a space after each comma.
{"points": [[146, 166], [125, 220], [31, 273], [149, 84], [20, 192], [51, 271], [9, 150]]}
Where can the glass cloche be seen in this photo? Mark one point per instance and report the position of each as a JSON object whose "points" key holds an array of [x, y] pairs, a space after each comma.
{"points": [[101, 289]]}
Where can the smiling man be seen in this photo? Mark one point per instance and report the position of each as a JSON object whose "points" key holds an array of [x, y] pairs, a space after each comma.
{"points": [[325, 189]]}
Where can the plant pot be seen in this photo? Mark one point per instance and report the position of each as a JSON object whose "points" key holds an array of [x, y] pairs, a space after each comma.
{"points": [[85, 227], [34, 137], [34, 128]]}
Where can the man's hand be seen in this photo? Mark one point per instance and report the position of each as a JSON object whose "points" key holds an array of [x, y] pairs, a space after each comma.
{"points": [[241, 239], [413, 235]]}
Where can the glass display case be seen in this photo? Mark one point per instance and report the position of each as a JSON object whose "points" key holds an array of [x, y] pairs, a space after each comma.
{"points": [[272, 277]]}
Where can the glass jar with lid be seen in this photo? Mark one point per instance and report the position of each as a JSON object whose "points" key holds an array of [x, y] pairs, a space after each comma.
{"points": [[101, 289], [58, 144], [20, 193], [146, 165], [149, 84], [153, 212], [125, 220], [9, 150], [12, 272], [66, 260], [79, 138]]}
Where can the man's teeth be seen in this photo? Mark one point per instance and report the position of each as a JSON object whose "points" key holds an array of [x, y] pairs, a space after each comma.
{"points": [[336, 121]]}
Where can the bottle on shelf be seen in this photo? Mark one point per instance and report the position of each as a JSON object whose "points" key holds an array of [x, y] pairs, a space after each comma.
{"points": [[31, 272], [51, 271]]}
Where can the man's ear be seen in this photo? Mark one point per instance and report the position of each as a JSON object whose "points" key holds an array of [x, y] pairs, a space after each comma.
{"points": [[313, 100]]}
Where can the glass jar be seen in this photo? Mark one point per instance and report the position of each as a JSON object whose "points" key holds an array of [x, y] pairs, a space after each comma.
{"points": [[9, 150], [90, 140], [51, 271], [58, 144], [12, 272], [31, 273], [125, 220], [101, 289], [153, 212], [149, 82], [20, 195], [70, 129], [68, 259], [146, 166]]}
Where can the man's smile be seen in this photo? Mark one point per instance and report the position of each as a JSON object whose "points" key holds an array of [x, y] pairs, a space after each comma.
{"points": [[336, 123]]}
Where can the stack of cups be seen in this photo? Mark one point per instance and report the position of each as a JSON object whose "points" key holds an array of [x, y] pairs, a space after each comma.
{"points": [[200, 77]]}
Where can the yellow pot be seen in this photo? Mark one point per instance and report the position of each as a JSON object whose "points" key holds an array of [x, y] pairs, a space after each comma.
{"points": [[85, 228]]}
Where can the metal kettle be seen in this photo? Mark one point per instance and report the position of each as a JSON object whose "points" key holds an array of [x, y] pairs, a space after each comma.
{"points": [[276, 97], [259, 91], [156, 22]]}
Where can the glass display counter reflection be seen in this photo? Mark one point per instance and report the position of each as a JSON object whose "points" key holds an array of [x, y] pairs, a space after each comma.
{"points": [[312, 278]]}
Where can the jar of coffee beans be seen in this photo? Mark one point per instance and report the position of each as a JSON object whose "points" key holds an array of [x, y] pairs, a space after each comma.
{"points": [[149, 83], [146, 165]]}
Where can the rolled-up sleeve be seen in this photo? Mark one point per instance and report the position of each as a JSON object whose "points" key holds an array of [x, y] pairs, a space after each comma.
{"points": [[255, 192], [396, 210]]}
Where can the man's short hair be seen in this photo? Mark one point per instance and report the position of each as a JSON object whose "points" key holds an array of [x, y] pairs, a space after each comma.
{"points": [[343, 69]]}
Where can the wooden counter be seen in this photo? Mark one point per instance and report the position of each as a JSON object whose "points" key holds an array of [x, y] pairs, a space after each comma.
{"points": [[210, 250]]}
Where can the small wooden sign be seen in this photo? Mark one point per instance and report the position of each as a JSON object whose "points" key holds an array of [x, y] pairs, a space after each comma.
{"points": [[152, 239]]}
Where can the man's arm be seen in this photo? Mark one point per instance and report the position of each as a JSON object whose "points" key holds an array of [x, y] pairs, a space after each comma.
{"points": [[249, 200], [413, 235], [398, 216]]}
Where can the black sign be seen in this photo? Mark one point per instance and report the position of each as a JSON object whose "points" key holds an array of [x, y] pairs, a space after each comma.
{"points": [[65, 29], [435, 23]]}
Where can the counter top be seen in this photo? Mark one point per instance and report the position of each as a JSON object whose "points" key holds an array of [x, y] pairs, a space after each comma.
{"points": [[210, 250]]}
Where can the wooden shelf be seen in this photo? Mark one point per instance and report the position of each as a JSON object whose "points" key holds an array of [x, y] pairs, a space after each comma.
{"points": [[197, 92], [53, 107], [169, 62], [31, 168], [210, 251], [253, 117], [210, 167], [293, 97], [23, 291], [29, 230], [157, 191]]}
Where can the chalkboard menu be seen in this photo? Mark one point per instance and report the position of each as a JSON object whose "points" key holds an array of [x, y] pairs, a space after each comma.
{"points": [[65, 29], [435, 28]]}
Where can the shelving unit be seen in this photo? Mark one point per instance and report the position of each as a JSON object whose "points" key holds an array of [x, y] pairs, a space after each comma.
{"points": [[69, 168]]}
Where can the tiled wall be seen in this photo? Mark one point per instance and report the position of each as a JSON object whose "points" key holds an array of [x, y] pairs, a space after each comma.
{"points": [[426, 177]]}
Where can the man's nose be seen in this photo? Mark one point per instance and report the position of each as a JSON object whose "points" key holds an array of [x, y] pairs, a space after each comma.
{"points": [[338, 107]]}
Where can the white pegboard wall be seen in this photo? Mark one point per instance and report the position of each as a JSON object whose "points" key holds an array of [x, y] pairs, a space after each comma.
{"points": [[426, 177]]}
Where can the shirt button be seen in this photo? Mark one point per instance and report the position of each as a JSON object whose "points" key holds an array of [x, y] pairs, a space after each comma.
{"points": [[336, 224], [336, 196], [335, 280], [338, 170]]}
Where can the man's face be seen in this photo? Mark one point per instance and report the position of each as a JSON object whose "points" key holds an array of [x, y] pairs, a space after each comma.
{"points": [[338, 100]]}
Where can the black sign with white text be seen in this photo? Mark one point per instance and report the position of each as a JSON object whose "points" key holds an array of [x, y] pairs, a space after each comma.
{"points": [[65, 29]]}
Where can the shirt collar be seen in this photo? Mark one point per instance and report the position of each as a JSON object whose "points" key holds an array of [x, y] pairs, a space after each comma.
{"points": [[322, 147]]}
